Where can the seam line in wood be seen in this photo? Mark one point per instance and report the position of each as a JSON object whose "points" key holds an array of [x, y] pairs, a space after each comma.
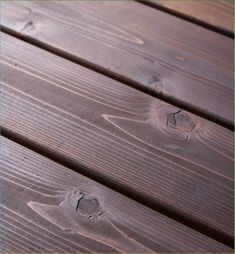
{"points": [[126, 81], [140, 198], [190, 19]]}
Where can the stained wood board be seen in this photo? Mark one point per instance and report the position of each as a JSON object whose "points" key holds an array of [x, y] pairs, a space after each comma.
{"points": [[218, 13], [156, 51], [163, 154], [46, 207]]}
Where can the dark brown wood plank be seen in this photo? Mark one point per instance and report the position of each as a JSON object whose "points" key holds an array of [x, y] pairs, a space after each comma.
{"points": [[39, 212], [218, 13], [166, 55], [162, 154]]}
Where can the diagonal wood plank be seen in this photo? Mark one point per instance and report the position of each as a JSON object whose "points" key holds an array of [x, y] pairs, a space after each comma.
{"points": [[218, 13], [161, 153], [163, 54], [48, 208]]}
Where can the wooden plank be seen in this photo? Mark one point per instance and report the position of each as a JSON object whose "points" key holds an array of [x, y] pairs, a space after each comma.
{"points": [[164, 54], [46, 207], [161, 153], [218, 13]]}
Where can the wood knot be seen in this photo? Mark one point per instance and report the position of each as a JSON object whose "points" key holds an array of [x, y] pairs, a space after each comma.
{"points": [[173, 122], [159, 88], [180, 124], [85, 204], [28, 27]]}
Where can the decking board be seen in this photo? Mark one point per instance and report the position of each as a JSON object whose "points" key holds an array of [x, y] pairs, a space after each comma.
{"points": [[166, 55], [146, 146], [218, 13], [38, 213]]}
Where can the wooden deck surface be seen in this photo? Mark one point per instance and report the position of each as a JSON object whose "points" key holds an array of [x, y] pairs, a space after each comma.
{"points": [[149, 48], [217, 14], [117, 127], [44, 216]]}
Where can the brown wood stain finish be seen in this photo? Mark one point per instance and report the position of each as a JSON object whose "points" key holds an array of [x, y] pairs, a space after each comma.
{"points": [[48, 208], [167, 56], [162, 154], [218, 13]]}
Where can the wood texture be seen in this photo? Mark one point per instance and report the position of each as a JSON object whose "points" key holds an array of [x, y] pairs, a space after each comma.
{"points": [[158, 151], [218, 13], [46, 207], [166, 55]]}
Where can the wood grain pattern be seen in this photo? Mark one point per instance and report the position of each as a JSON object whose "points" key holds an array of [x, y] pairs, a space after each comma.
{"points": [[218, 13], [167, 56], [42, 210], [151, 148]]}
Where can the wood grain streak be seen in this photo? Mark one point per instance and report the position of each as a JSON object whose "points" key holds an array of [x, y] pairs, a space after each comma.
{"points": [[219, 13], [174, 158], [168, 56], [75, 214]]}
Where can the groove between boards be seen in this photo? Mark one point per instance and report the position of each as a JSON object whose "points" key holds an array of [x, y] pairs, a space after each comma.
{"points": [[118, 187], [190, 19], [129, 82]]}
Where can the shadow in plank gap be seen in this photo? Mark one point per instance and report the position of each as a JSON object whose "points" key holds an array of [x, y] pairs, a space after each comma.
{"points": [[165, 55], [162, 155], [215, 15], [56, 210]]}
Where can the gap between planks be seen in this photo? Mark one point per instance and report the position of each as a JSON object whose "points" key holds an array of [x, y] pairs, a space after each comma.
{"points": [[175, 58], [20, 80], [124, 190], [44, 216], [125, 80], [184, 16]]}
